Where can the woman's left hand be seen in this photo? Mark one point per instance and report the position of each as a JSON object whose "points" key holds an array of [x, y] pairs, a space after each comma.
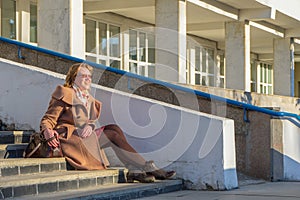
{"points": [[86, 131]]}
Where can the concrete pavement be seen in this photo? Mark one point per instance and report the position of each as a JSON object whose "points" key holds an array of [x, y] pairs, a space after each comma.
{"points": [[262, 191]]}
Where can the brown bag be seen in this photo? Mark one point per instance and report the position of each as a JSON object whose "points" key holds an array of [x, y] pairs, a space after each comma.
{"points": [[38, 147]]}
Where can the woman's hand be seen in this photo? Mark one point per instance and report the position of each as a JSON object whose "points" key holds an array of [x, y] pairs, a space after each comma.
{"points": [[48, 133], [86, 131]]}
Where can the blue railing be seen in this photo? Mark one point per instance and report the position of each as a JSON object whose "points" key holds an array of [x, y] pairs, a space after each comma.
{"points": [[291, 116]]}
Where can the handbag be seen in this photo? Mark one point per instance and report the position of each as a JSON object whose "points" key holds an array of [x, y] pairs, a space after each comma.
{"points": [[38, 147]]}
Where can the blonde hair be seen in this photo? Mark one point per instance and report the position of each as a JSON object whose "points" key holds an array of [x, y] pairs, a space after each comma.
{"points": [[72, 73]]}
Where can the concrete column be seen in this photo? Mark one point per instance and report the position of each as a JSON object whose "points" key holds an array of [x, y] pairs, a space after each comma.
{"points": [[60, 26], [237, 53], [23, 20], [283, 67], [170, 20]]}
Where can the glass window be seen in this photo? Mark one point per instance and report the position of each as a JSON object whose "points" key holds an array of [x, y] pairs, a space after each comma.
{"points": [[133, 68], [114, 41], [203, 59], [8, 19], [102, 62], [141, 53], [197, 59], [91, 58], [151, 48], [205, 67], [106, 38], [211, 62], [222, 85], [265, 81], [132, 45], [197, 79], [142, 47], [33, 22], [222, 65], [115, 64], [142, 70], [90, 32], [102, 39]]}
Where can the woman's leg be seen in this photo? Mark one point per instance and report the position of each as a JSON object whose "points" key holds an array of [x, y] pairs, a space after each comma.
{"points": [[114, 137]]}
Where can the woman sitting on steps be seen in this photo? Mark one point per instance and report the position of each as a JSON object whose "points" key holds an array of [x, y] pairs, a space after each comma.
{"points": [[70, 120]]}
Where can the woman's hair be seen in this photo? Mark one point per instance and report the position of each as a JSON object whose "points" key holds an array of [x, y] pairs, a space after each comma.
{"points": [[72, 73]]}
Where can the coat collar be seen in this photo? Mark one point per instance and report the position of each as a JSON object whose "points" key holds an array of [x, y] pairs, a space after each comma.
{"points": [[69, 96]]}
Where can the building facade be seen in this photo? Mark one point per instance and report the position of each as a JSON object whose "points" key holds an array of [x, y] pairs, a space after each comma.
{"points": [[250, 45]]}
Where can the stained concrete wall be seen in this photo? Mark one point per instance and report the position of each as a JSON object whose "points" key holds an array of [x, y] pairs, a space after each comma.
{"points": [[277, 102], [199, 146]]}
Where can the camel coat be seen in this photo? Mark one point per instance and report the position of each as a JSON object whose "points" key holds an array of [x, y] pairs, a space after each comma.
{"points": [[67, 114]]}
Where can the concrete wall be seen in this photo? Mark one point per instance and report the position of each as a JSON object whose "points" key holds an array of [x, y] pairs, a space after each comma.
{"points": [[291, 151], [285, 150], [277, 102], [297, 79], [199, 146]]}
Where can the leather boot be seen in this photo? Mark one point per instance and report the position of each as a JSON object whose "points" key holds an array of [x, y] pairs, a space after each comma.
{"points": [[140, 176], [159, 174]]}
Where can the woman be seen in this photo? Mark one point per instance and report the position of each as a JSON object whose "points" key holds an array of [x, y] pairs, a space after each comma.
{"points": [[70, 123]]}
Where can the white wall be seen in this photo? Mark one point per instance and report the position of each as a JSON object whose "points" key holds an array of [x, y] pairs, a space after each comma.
{"points": [[200, 147], [291, 151]]}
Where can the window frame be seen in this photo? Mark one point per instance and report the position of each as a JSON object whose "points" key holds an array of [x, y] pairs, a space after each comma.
{"points": [[97, 56]]}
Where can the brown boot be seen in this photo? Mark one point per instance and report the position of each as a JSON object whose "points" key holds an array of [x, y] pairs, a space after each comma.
{"points": [[159, 174], [140, 176]]}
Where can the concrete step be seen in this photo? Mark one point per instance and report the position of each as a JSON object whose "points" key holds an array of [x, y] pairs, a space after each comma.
{"points": [[123, 191], [14, 137], [22, 166], [12, 150], [55, 181]]}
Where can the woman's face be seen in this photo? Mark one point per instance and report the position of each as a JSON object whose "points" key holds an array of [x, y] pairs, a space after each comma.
{"points": [[83, 79]]}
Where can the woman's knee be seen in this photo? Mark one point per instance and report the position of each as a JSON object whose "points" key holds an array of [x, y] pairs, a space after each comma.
{"points": [[114, 127]]}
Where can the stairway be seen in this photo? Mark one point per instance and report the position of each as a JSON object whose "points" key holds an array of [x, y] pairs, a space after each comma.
{"points": [[48, 178]]}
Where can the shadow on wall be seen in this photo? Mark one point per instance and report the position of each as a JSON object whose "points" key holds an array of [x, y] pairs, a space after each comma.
{"points": [[283, 167]]}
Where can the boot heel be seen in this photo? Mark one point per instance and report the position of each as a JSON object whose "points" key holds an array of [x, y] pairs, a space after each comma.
{"points": [[141, 177], [129, 179]]}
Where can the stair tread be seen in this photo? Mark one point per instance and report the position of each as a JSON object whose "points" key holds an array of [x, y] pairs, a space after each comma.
{"points": [[110, 190], [13, 146], [17, 137], [39, 178], [11, 162], [26, 132]]}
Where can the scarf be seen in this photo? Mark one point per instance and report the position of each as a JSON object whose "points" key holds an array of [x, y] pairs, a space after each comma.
{"points": [[83, 96]]}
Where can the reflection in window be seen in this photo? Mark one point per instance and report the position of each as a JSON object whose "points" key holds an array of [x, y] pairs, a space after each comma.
{"points": [[8, 19], [33, 22]]}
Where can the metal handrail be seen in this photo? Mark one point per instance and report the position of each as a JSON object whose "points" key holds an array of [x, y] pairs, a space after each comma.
{"points": [[243, 105]]}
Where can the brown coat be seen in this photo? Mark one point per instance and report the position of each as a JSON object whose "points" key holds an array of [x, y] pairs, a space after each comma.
{"points": [[67, 114]]}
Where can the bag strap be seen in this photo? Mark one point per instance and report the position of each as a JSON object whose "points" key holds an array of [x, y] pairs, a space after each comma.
{"points": [[33, 151]]}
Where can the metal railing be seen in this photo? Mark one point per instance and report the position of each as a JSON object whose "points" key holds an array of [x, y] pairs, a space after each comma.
{"points": [[286, 115]]}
